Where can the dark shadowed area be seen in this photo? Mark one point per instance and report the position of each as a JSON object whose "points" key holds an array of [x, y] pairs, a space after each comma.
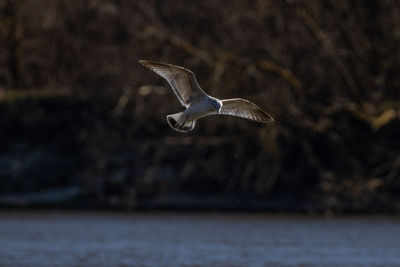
{"points": [[83, 125]]}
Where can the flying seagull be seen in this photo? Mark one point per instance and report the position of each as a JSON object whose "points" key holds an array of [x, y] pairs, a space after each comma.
{"points": [[197, 103]]}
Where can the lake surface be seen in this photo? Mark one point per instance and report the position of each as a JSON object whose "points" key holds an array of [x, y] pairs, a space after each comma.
{"points": [[199, 239]]}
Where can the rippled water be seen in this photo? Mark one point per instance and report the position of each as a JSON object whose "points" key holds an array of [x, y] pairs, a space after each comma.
{"points": [[201, 239]]}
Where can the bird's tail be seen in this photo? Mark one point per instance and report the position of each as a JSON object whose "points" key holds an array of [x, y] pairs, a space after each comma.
{"points": [[178, 123]]}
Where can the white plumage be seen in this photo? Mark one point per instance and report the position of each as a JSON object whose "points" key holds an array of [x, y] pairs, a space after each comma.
{"points": [[198, 104]]}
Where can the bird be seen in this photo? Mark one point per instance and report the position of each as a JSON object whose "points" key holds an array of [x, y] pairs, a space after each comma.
{"points": [[198, 104]]}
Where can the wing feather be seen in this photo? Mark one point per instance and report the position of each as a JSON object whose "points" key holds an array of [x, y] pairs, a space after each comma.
{"points": [[182, 81], [244, 109]]}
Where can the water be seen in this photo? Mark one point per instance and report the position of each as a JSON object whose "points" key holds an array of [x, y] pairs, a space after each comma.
{"points": [[201, 239]]}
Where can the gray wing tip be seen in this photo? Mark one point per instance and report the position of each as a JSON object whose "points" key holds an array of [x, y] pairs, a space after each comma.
{"points": [[149, 63], [153, 64], [145, 63], [271, 120], [266, 117]]}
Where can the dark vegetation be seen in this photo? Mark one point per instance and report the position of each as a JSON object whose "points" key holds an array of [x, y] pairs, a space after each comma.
{"points": [[82, 124]]}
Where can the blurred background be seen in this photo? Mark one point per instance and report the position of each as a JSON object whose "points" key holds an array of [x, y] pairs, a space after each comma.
{"points": [[83, 125]]}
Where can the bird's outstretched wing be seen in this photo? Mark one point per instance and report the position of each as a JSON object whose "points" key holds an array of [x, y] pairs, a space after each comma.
{"points": [[182, 81], [245, 109]]}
